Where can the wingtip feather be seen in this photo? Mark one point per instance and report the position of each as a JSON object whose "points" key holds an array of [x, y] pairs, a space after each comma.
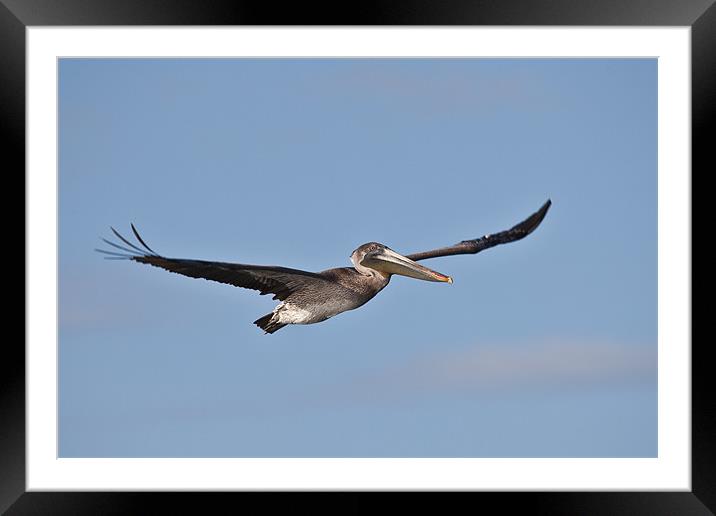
{"points": [[136, 234], [533, 221]]}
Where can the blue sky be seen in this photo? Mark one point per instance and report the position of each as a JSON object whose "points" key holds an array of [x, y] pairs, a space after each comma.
{"points": [[546, 347]]}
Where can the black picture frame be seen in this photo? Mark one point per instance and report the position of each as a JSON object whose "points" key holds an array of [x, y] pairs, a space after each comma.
{"points": [[16, 15]]}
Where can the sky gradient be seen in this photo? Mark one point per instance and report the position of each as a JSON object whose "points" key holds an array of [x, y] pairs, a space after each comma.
{"points": [[546, 347]]}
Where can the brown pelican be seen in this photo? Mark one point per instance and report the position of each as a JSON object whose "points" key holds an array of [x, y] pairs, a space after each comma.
{"points": [[310, 297]]}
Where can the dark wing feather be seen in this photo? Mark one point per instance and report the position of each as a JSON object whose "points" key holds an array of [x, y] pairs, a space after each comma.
{"points": [[517, 232], [279, 281]]}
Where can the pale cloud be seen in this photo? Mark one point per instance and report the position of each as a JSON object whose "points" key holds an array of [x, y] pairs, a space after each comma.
{"points": [[541, 363], [457, 91], [89, 300], [560, 364]]}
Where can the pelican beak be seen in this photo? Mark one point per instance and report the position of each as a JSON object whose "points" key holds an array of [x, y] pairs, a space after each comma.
{"points": [[389, 262]]}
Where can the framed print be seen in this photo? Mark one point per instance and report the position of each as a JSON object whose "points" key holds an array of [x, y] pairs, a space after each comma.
{"points": [[563, 369]]}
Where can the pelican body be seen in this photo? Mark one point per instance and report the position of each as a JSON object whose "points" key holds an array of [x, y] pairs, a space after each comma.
{"points": [[345, 288], [308, 297]]}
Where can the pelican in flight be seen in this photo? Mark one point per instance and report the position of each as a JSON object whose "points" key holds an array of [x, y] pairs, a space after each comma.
{"points": [[312, 297]]}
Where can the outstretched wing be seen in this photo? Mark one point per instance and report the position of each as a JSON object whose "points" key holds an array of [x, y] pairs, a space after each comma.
{"points": [[517, 232], [279, 281]]}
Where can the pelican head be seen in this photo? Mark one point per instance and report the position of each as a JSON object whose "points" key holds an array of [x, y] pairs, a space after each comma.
{"points": [[372, 257]]}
